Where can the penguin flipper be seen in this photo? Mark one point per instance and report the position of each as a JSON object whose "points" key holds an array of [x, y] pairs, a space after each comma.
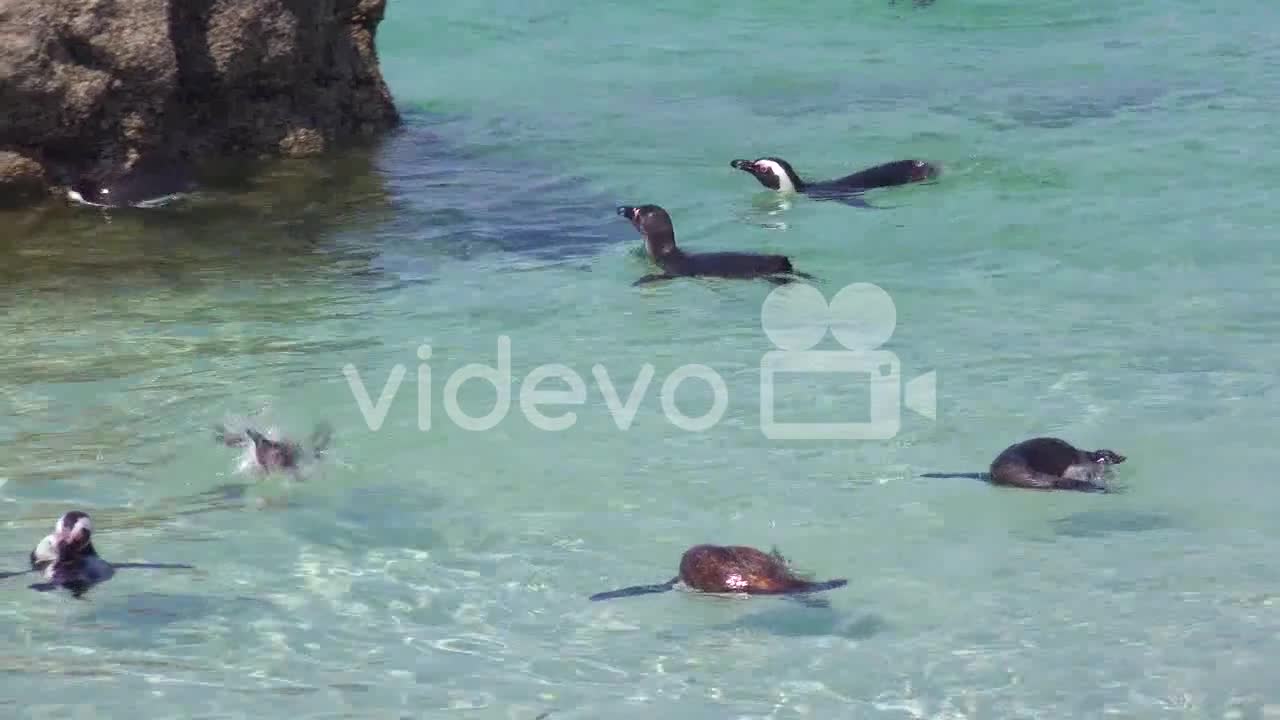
{"points": [[1080, 486], [824, 585], [636, 590], [802, 594], [1033, 480], [856, 201], [321, 436], [967, 476], [154, 566], [811, 602], [656, 277]]}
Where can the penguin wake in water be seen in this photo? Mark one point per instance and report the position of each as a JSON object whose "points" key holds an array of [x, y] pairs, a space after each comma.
{"points": [[654, 225], [67, 559], [271, 454], [778, 175]]}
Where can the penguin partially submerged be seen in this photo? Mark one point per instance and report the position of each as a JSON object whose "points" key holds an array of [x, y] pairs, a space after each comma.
{"points": [[266, 454], [735, 569], [778, 175], [67, 559], [147, 185], [654, 224], [1048, 463]]}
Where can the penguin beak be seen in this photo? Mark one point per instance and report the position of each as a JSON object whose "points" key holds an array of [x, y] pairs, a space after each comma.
{"points": [[627, 212], [67, 541], [925, 171], [744, 165]]}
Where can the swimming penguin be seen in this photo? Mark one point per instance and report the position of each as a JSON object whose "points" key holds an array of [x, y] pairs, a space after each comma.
{"points": [[654, 224], [1045, 463], [777, 174], [67, 558], [732, 569], [147, 185], [268, 455]]}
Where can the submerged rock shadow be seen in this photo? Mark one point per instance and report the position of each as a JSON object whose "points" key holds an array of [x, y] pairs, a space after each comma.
{"points": [[1098, 523], [468, 202]]}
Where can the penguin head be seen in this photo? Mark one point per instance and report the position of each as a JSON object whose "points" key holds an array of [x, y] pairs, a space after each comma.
{"points": [[772, 172], [654, 224], [72, 533], [272, 454], [1107, 457]]}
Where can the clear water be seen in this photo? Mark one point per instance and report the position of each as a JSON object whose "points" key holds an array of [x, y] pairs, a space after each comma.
{"points": [[1098, 262]]}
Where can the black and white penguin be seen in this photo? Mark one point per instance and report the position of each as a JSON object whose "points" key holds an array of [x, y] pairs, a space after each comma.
{"points": [[1046, 463], [67, 559], [655, 226], [147, 185], [777, 174]]}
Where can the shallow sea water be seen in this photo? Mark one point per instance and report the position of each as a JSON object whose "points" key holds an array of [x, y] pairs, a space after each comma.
{"points": [[1097, 262]]}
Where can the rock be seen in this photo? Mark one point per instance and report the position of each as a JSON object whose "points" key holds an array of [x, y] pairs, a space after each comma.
{"points": [[21, 178], [91, 88]]}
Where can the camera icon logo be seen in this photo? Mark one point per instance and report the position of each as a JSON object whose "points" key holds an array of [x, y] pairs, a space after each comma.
{"points": [[862, 317]]}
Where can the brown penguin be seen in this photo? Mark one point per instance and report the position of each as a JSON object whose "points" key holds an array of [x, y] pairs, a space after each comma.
{"points": [[732, 569]]}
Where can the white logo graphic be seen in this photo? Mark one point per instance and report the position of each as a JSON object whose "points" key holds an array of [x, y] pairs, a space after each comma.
{"points": [[862, 317], [531, 397]]}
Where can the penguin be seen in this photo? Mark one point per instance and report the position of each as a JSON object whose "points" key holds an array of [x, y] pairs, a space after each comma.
{"points": [[655, 226], [733, 569], [67, 558], [777, 174], [146, 185], [280, 454]]}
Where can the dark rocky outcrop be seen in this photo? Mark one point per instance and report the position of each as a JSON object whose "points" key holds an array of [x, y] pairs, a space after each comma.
{"points": [[91, 88]]}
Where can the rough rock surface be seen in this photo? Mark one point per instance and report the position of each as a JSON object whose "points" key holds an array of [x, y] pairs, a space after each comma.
{"points": [[90, 88]]}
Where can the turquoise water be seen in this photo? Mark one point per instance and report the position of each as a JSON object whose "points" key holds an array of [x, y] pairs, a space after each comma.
{"points": [[1097, 262]]}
